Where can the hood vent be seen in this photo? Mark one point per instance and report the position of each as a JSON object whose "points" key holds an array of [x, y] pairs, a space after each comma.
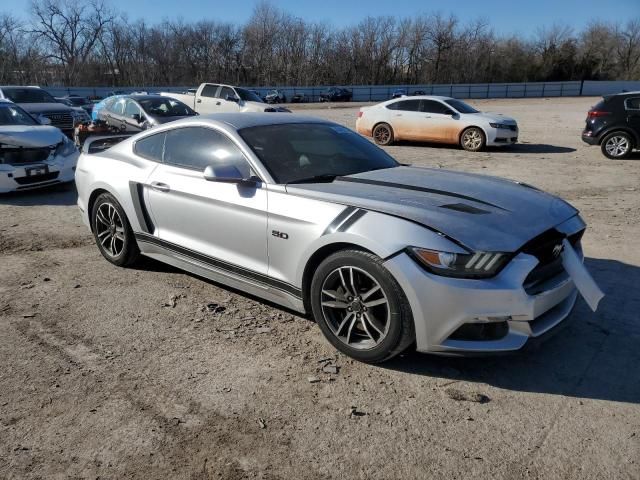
{"points": [[463, 207]]}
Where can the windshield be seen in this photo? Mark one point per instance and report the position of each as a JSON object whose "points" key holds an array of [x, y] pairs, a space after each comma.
{"points": [[461, 107], [248, 95], [14, 115], [27, 95], [165, 107], [299, 151]]}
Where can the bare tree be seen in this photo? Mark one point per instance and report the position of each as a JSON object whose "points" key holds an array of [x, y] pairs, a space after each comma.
{"points": [[69, 31]]}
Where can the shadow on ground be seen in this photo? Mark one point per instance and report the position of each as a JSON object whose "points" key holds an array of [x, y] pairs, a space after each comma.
{"points": [[62, 194], [596, 356], [534, 148]]}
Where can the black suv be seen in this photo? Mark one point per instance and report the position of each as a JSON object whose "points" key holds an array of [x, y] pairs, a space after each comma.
{"points": [[335, 94], [614, 124]]}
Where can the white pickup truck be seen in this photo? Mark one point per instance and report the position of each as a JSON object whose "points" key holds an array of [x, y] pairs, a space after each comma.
{"points": [[216, 98]]}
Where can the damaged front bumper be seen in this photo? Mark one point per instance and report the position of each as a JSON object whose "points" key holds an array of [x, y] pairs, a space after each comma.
{"points": [[56, 169]]}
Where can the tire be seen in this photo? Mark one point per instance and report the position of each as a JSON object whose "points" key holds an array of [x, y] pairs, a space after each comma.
{"points": [[112, 232], [356, 327], [616, 145], [382, 134], [473, 139]]}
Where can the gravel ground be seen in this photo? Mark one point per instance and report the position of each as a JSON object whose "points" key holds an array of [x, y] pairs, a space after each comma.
{"points": [[153, 373]]}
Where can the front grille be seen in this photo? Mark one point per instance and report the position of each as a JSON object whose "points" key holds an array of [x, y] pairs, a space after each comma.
{"points": [[62, 120], [547, 248], [23, 156], [36, 178]]}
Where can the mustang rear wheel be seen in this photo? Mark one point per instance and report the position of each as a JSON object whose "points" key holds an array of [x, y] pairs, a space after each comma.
{"points": [[360, 307], [472, 139], [112, 231], [616, 145], [383, 134]]}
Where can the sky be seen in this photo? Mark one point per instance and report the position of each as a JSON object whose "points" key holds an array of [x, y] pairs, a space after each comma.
{"points": [[506, 17]]}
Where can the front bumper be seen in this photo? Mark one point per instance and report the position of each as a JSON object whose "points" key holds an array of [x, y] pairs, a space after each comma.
{"points": [[56, 170], [442, 305], [502, 136]]}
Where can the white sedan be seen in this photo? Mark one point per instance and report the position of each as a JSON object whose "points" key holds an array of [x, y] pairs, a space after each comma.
{"points": [[435, 119], [32, 154]]}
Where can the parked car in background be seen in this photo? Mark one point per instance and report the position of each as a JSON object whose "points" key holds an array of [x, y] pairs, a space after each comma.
{"points": [[436, 119], [32, 154], [134, 113], [38, 102], [400, 92], [419, 92], [216, 98], [335, 94], [306, 213], [614, 124], [95, 112], [299, 98], [77, 101], [275, 96]]}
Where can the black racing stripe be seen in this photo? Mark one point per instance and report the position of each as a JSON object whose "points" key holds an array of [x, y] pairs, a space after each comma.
{"points": [[351, 220], [333, 226], [414, 188], [137, 197], [222, 265]]}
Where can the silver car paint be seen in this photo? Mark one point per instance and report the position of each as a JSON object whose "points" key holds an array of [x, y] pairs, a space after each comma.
{"points": [[244, 253]]}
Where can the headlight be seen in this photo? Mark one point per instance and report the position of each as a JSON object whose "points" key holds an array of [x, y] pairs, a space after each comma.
{"points": [[461, 265], [65, 148], [501, 125]]}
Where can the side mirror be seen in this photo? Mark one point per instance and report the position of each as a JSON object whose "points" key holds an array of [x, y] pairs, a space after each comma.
{"points": [[227, 174], [232, 98], [42, 120], [137, 117]]}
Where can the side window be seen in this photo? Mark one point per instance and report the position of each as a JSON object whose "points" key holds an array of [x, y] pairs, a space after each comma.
{"points": [[131, 108], [118, 107], [150, 147], [209, 91], [431, 106], [224, 91], [633, 103], [405, 106], [200, 147]]}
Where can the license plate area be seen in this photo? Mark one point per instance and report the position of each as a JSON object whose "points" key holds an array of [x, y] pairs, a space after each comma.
{"points": [[36, 170]]}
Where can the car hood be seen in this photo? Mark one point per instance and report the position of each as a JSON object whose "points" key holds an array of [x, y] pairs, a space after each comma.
{"points": [[45, 107], [481, 212], [30, 136], [496, 117]]}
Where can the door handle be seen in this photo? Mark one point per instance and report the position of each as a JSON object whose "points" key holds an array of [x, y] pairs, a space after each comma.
{"points": [[398, 115], [160, 187], [427, 116], [199, 100], [217, 103]]}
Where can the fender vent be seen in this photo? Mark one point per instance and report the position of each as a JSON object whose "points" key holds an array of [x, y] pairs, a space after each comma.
{"points": [[463, 207]]}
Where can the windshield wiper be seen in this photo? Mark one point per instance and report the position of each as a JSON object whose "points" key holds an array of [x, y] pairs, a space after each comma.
{"points": [[324, 178]]}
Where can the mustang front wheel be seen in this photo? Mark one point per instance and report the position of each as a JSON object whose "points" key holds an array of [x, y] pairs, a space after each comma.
{"points": [[112, 231], [360, 307]]}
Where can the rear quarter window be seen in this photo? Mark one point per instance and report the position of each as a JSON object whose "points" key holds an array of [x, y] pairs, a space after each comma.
{"points": [[633, 103], [151, 147]]}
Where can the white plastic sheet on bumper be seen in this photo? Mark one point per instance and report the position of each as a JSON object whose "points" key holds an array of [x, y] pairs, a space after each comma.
{"points": [[581, 277]]}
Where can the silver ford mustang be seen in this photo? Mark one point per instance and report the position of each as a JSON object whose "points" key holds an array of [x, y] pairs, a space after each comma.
{"points": [[310, 215]]}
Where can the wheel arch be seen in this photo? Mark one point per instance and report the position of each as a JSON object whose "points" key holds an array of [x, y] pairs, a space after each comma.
{"points": [[92, 200], [620, 128], [316, 259], [467, 127]]}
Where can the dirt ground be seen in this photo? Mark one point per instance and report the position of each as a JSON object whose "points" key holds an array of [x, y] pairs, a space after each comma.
{"points": [[153, 373]]}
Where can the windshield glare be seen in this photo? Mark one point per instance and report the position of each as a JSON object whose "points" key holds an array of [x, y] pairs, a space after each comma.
{"points": [[296, 151], [165, 107], [14, 115], [248, 96], [461, 107], [27, 95]]}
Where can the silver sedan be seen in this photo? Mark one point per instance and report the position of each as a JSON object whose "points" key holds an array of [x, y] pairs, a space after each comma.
{"points": [[312, 216]]}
